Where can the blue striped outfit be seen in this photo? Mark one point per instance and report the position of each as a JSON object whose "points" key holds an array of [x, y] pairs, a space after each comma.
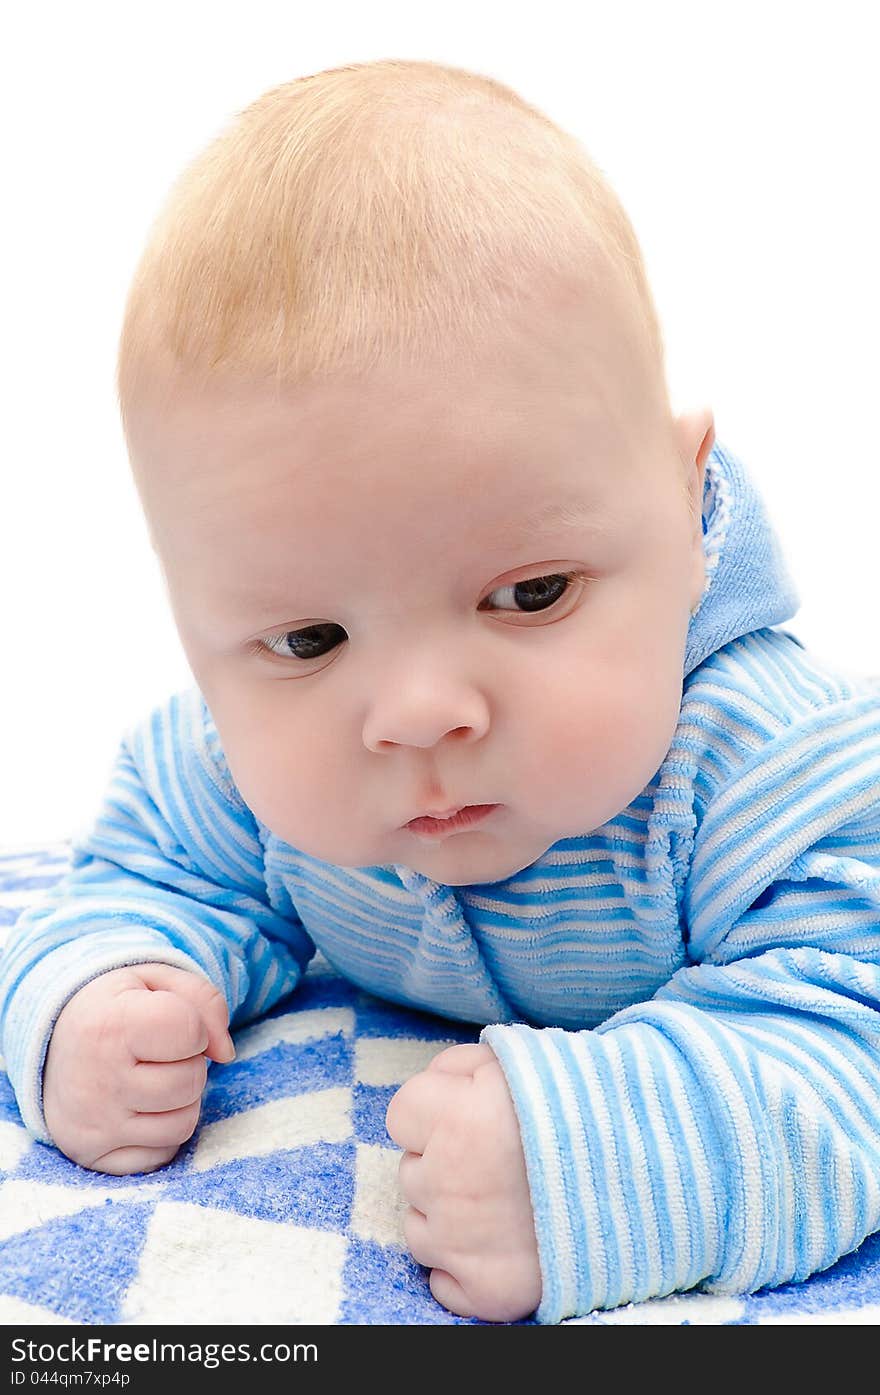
{"points": [[685, 1001]]}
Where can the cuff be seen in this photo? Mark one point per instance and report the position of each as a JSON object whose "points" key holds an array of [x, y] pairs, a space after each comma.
{"points": [[620, 1172]]}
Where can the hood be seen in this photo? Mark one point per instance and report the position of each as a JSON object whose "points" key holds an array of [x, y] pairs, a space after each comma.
{"points": [[747, 582]]}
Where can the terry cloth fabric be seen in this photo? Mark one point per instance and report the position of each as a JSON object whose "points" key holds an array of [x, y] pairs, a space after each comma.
{"points": [[684, 1001]]}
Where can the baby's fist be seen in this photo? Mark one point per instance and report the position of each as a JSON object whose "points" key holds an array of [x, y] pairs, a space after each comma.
{"points": [[126, 1066], [463, 1172]]}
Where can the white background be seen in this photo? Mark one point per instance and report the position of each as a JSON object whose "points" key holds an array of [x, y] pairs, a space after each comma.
{"points": [[741, 138]]}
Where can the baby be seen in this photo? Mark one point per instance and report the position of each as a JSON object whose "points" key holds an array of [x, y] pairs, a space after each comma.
{"points": [[489, 708]]}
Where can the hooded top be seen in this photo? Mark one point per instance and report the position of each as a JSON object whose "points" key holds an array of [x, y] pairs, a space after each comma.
{"points": [[684, 1001]]}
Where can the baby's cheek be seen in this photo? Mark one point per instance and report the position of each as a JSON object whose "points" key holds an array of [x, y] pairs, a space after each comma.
{"points": [[280, 777], [297, 811], [596, 753], [557, 759], [635, 731], [619, 724]]}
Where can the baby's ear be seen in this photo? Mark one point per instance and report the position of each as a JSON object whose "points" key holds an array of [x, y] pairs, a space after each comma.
{"points": [[695, 437], [706, 415]]}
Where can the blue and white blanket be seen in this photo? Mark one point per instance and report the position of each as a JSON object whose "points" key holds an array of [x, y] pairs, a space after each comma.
{"points": [[283, 1206]]}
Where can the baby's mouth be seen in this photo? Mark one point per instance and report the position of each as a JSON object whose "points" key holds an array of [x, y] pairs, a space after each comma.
{"points": [[436, 827]]}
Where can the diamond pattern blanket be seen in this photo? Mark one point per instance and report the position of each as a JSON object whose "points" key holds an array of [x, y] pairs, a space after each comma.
{"points": [[283, 1206]]}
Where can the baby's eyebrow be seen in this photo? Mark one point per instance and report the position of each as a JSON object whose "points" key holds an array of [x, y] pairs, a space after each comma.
{"points": [[574, 514], [577, 513]]}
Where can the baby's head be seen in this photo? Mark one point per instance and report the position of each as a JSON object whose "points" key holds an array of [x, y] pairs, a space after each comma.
{"points": [[393, 389]]}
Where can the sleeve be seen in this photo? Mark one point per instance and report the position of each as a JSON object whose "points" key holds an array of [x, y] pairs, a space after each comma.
{"points": [[725, 1134], [171, 871]]}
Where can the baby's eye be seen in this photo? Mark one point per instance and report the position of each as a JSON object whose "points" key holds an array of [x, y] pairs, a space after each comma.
{"points": [[536, 594], [312, 642]]}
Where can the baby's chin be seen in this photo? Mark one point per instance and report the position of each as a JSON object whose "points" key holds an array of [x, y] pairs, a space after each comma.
{"points": [[474, 864], [474, 857]]}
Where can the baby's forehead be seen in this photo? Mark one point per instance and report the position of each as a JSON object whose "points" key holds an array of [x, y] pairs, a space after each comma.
{"points": [[549, 414]]}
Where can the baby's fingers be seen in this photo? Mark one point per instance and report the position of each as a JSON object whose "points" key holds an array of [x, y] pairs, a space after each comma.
{"points": [[415, 1110], [161, 1026], [198, 991], [119, 1162], [148, 1141], [167, 1129], [449, 1292], [462, 1059], [151, 1087]]}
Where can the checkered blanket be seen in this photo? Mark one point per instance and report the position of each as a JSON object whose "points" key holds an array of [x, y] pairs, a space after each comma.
{"points": [[283, 1206]]}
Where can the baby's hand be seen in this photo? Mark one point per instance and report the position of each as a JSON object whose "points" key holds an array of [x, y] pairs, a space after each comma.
{"points": [[126, 1066], [464, 1175]]}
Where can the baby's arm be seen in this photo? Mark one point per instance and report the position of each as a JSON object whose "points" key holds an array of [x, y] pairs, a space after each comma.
{"points": [[726, 1133], [171, 874]]}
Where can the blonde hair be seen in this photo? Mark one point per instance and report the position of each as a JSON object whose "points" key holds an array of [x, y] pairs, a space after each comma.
{"points": [[376, 209]]}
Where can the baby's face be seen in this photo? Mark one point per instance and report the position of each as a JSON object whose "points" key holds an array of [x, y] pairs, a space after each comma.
{"points": [[433, 589]]}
